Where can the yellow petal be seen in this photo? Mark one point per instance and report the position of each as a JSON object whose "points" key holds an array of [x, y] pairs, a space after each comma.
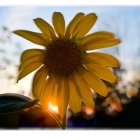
{"points": [[97, 34], [34, 37], [75, 100], [39, 81], [63, 96], [46, 92], [84, 25], [102, 72], [32, 60], [59, 23], [72, 24], [54, 91], [99, 42], [72, 78], [45, 27], [101, 58], [30, 53], [85, 90], [28, 69], [94, 82]]}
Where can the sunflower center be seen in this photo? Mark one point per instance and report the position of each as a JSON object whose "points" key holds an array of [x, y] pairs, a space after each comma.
{"points": [[62, 57]]}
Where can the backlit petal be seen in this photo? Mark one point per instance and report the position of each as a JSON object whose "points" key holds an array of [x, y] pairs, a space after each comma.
{"points": [[63, 96], [85, 90], [34, 37], [84, 25], [28, 70], [72, 24], [39, 81], [46, 92], [75, 100], [99, 42], [59, 23], [94, 82], [101, 58], [30, 53], [32, 60], [102, 72], [54, 90], [97, 34], [45, 27]]}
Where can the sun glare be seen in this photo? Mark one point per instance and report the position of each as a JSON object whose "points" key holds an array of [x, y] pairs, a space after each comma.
{"points": [[53, 107]]}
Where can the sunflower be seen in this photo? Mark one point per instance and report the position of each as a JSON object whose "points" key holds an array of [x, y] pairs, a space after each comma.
{"points": [[68, 70]]}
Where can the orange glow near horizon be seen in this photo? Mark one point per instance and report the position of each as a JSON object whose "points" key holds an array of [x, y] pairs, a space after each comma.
{"points": [[53, 107]]}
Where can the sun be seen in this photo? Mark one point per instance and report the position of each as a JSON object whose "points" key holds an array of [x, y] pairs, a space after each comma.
{"points": [[53, 107]]}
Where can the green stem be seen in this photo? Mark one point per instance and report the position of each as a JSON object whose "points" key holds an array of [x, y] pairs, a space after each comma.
{"points": [[64, 122]]}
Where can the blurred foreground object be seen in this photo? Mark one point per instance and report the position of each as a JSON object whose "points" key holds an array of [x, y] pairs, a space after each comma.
{"points": [[18, 111]]}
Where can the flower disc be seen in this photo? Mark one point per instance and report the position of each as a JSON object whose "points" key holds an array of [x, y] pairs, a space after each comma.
{"points": [[62, 57]]}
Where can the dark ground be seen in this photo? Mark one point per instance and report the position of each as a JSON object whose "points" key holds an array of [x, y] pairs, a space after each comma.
{"points": [[129, 118]]}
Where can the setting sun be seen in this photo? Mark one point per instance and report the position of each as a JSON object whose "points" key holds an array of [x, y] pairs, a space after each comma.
{"points": [[53, 107]]}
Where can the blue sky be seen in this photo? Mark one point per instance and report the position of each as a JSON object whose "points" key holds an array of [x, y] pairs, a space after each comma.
{"points": [[123, 21]]}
